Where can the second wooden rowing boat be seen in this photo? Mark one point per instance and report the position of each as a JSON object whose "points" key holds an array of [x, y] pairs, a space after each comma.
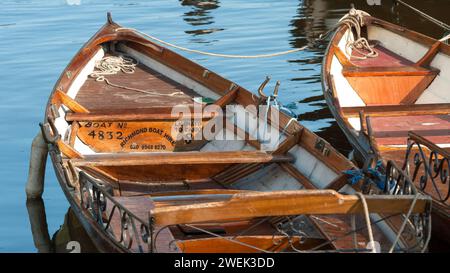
{"points": [[382, 81]]}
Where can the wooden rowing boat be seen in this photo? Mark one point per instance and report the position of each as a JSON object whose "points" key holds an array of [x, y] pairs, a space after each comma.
{"points": [[138, 184], [378, 100]]}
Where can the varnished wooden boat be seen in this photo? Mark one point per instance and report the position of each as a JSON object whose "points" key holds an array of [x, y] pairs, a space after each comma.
{"points": [[378, 100], [136, 187]]}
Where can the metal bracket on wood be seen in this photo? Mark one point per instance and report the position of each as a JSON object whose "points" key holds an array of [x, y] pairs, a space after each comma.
{"points": [[321, 147]]}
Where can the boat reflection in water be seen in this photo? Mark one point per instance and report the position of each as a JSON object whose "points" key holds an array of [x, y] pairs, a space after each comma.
{"points": [[69, 238], [200, 16]]}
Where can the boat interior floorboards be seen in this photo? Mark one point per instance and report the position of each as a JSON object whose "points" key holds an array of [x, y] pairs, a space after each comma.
{"points": [[162, 91]]}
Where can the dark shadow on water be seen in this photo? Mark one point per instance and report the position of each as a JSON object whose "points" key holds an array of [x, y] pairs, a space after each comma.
{"points": [[70, 237]]}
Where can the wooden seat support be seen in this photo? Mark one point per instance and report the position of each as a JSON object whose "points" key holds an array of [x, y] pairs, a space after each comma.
{"points": [[180, 158], [62, 98], [149, 114]]}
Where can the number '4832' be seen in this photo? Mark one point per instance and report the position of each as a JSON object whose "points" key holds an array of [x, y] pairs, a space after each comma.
{"points": [[105, 135]]}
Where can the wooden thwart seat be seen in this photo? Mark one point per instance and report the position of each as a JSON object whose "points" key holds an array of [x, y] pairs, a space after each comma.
{"points": [[260, 204], [154, 113], [181, 158], [387, 78]]}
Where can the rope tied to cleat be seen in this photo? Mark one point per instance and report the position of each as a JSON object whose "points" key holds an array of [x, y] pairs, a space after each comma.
{"points": [[353, 19]]}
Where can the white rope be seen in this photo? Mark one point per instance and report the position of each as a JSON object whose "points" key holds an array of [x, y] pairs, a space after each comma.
{"points": [[367, 217], [355, 20], [413, 204], [445, 38], [112, 65], [426, 16], [228, 239], [210, 53]]}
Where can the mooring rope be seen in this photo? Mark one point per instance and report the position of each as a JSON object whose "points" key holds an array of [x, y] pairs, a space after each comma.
{"points": [[355, 20], [352, 19], [368, 223], [211, 53], [445, 38], [426, 16], [111, 65], [413, 204]]}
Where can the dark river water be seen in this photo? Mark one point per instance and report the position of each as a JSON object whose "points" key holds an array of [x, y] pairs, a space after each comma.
{"points": [[38, 38]]}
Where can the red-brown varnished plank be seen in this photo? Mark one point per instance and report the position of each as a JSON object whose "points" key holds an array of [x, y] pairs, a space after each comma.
{"points": [[99, 96], [394, 130], [385, 58]]}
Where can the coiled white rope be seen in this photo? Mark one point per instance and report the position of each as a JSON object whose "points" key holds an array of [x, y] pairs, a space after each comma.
{"points": [[111, 65], [355, 20]]}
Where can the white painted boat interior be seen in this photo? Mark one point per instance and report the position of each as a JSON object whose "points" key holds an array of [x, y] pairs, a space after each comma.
{"points": [[437, 92]]}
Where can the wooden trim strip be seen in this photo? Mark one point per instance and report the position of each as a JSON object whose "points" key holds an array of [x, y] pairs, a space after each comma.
{"points": [[342, 58], [413, 35], [288, 143], [243, 134], [418, 90], [263, 204], [150, 116], [429, 56], [338, 183], [73, 133], [227, 98], [294, 172], [68, 150], [73, 105], [423, 141], [356, 71], [398, 110], [181, 158]]}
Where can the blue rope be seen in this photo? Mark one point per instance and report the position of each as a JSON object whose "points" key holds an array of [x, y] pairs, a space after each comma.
{"points": [[379, 178]]}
